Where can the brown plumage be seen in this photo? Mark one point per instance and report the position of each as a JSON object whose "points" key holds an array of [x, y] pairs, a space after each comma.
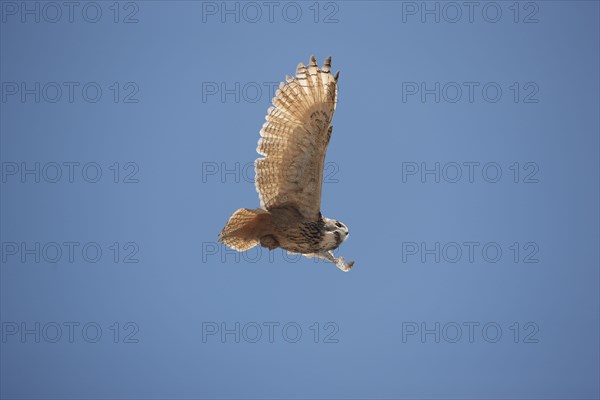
{"points": [[288, 179]]}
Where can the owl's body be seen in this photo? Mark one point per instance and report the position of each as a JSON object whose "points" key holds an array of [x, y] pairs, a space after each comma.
{"points": [[294, 141]]}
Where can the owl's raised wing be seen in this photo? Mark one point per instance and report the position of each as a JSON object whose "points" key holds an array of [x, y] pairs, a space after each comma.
{"points": [[294, 140]]}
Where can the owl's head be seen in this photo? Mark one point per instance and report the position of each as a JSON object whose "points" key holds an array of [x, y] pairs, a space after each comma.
{"points": [[335, 233]]}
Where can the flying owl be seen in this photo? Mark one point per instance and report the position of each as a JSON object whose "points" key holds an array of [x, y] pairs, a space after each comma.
{"points": [[288, 179]]}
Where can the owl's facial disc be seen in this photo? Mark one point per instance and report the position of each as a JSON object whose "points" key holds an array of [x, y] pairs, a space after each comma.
{"points": [[343, 229], [333, 225], [335, 233]]}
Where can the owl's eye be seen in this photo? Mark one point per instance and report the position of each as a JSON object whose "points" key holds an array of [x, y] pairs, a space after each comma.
{"points": [[338, 224]]}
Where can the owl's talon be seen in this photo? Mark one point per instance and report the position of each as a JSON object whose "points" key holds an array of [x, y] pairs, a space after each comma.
{"points": [[341, 264]]}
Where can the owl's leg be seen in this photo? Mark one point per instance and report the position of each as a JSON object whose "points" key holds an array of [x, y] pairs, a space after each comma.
{"points": [[269, 242], [339, 262]]}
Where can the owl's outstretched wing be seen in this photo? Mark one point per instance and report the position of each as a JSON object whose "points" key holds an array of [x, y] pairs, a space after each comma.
{"points": [[294, 140]]}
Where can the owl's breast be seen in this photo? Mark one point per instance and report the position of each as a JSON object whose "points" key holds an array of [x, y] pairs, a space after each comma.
{"points": [[303, 238]]}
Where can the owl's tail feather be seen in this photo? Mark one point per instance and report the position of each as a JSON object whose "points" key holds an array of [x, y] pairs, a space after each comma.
{"points": [[245, 228]]}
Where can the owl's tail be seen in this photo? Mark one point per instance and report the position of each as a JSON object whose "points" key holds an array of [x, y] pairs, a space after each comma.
{"points": [[245, 228]]}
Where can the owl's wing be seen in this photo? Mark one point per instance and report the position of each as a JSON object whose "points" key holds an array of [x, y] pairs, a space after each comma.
{"points": [[294, 140]]}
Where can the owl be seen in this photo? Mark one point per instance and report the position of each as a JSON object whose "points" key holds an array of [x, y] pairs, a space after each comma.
{"points": [[293, 141]]}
